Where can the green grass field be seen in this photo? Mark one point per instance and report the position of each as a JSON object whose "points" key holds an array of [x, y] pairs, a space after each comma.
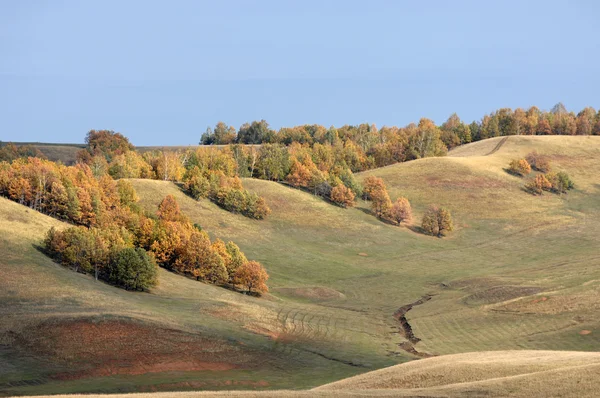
{"points": [[519, 272]]}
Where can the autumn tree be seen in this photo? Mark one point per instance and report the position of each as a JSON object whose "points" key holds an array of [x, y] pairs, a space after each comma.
{"points": [[426, 141], [437, 221], [299, 175], [169, 166], [400, 211], [129, 165], [168, 210], [372, 184], [224, 134], [252, 276], [236, 260], [342, 196], [375, 191], [380, 203], [107, 143], [273, 162]]}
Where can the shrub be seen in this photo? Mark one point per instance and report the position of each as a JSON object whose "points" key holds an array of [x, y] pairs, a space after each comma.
{"points": [[437, 221], [561, 182], [519, 167], [133, 269], [538, 185]]}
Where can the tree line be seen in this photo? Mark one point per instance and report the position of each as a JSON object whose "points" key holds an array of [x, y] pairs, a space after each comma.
{"points": [[395, 144]]}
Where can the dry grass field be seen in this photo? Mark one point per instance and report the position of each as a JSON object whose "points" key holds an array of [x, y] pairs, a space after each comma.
{"points": [[519, 273]]}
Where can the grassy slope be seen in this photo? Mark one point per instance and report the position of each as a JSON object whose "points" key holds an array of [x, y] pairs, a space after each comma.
{"points": [[39, 296], [490, 374], [338, 275], [497, 374]]}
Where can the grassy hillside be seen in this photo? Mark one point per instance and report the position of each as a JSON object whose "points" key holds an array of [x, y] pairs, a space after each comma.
{"points": [[63, 332], [520, 272], [490, 374]]}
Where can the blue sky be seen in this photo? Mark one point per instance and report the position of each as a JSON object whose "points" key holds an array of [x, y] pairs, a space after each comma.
{"points": [[161, 72]]}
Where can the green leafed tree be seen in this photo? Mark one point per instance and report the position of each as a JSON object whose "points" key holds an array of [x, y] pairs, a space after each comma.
{"points": [[132, 269]]}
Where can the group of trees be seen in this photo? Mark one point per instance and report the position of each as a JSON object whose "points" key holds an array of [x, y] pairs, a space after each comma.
{"points": [[558, 121], [107, 253], [213, 174], [437, 221], [71, 193], [381, 204], [322, 172], [114, 238], [545, 180], [379, 147], [127, 256], [206, 173], [179, 245]]}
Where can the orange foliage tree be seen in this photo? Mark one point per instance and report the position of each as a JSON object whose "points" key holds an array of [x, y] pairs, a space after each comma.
{"points": [[252, 276], [342, 195]]}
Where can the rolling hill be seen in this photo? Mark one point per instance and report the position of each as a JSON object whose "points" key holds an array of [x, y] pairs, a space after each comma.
{"points": [[519, 273]]}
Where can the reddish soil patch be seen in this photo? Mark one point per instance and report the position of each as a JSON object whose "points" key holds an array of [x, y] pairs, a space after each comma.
{"points": [[585, 332], [363, 254], [101, 347]]}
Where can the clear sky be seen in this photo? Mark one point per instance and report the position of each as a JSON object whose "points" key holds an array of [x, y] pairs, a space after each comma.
{"points": [[160, 72]]}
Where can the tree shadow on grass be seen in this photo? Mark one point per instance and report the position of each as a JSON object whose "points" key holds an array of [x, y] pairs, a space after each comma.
{"points": [[512, 173], [417, 229], [383, 220]]}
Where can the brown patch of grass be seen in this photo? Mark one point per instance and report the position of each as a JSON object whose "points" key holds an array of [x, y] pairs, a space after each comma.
{"points": [[102, 347], [317, 293], [498, 294]]}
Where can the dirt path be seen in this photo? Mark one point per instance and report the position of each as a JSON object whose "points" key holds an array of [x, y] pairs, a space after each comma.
{"points": [[406, 330], [497, 147]]}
